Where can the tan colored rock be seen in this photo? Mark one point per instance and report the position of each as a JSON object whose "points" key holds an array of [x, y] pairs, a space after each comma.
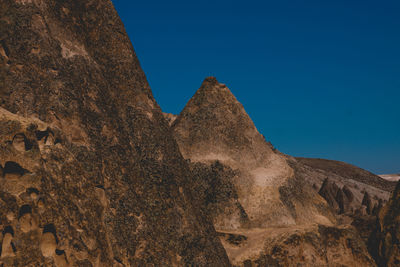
{"points": [[77, 114], [214, 126], [48, 244], [7, 246]]}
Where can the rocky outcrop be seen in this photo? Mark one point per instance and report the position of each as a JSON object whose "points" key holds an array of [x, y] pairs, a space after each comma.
{"points": [[339, 199], [261, 202], [348, 172], [214, 188], [214, 126], [91, 175], [367, 202], [384, 242], [329, 191], [345, 176], [316, 245]]}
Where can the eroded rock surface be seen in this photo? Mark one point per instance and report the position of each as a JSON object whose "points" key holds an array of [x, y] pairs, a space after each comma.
{"points": [[262, 205], [315, 245], [214, 126], [90, 174], [384, 242]]}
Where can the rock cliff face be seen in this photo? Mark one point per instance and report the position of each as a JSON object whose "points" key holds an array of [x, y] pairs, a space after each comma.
{"points": [[262, 205], [90, 174]]}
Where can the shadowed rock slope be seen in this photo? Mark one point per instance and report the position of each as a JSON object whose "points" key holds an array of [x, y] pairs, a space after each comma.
{"points": [[385, 241], [265, 210], [90, 174], [349, 190]]}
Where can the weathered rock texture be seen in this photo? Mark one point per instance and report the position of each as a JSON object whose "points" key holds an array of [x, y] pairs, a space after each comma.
{"points": [[214, 126], [384, 243], [315, 245], [170, 117], [262, 205], [91, 175], [357, 180]]}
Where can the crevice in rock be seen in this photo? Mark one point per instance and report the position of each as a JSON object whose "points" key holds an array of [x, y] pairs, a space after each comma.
{"points": [[13, 168]]}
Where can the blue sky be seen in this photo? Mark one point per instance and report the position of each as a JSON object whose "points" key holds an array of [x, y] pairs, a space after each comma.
{"points": [[319, 78]]}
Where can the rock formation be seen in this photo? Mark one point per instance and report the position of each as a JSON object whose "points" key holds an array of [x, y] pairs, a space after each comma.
{"points": [[329, 191], [262, 205], [346, 175], [367, 202], [170, 118], [214, 126], [91, 175], [384, 243]]}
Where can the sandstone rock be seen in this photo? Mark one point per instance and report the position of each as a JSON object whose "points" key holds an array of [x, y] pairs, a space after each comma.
{"points": [[367, 202], [384, 245], [232, 164], [316, 245], [329, 191], [170, 118], [214, 126], [348, 193], [77, 114]]}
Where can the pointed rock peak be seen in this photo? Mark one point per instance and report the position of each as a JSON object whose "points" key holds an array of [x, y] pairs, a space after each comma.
{"points": [[214, 116], [212, 94], [210, 80]]}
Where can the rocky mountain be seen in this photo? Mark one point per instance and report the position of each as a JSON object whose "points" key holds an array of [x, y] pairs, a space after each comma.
{"points": [[261, 201], [90, 173]]}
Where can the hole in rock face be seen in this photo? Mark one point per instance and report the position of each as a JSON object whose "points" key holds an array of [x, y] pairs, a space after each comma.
{"points": [[12, 167], [47, 137], [60, 252], [8, 230], [49, 228], [32, 190], [41, 134], [21, 142], [24, 210], [44, 134]]}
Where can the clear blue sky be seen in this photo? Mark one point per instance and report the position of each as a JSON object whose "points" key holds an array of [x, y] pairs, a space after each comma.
{"points": [[319, 78]]}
